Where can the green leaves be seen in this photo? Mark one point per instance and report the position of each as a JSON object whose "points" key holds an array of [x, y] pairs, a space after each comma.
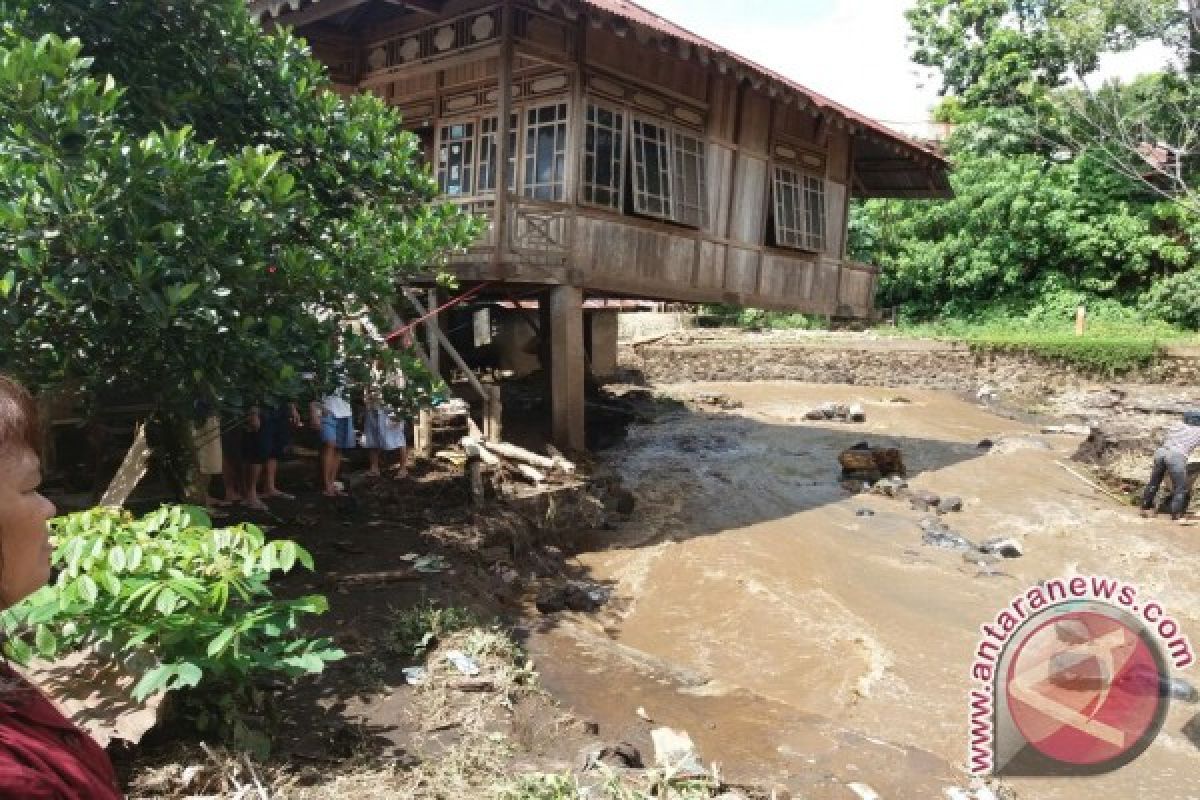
{"points": [[168, 587]]}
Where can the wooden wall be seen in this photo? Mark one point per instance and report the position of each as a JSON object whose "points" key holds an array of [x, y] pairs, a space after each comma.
{"points": [[729, 260]]}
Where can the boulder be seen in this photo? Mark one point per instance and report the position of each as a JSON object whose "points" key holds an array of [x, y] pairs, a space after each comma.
{"points": [[1004, 547], [572, 596], [950, 504]]}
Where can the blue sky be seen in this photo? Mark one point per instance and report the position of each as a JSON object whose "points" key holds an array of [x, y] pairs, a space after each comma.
{"points": [[854, 51]]}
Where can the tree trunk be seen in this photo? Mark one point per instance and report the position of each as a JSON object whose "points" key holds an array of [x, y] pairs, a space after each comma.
{"points": [[1194, 38]]}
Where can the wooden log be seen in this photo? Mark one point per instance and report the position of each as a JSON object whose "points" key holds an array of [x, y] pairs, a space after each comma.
{"points": [[476, 449], [514, 453], [361, 578], [475, 477], [531, 473]]}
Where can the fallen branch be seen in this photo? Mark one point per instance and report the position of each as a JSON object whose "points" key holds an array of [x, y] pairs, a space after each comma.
{"points": [[476, 449], [1123, 501], [531, 473]]}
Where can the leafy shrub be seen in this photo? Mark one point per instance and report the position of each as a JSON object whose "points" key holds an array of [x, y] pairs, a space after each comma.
{"points": [[1100, 355], [184, 604]]}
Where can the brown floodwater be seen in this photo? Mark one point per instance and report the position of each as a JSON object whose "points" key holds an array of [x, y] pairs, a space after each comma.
{"points": [[801, 643]]}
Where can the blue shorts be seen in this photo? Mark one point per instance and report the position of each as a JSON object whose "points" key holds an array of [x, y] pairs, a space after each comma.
{"points": [[337, 431]]}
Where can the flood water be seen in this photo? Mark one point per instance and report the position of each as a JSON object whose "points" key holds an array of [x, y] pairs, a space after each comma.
{"points": [[801, 643]]}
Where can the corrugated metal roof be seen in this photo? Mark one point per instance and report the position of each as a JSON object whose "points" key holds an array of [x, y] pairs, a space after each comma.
{"points": [[643, 16]]}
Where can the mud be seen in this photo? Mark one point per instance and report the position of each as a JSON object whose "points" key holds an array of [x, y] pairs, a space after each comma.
{"points": [[800, 642]]}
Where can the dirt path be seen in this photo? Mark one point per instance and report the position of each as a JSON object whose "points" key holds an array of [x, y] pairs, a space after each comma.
{"points": [[792, 637]]}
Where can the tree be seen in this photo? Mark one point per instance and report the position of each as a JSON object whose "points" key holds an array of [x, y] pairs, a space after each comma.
{"points": [[196, 225]]}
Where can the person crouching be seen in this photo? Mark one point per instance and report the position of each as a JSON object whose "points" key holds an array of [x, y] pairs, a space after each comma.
{"points": [[1172, 459]]}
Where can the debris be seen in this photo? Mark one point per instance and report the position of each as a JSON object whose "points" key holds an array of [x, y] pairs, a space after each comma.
{"points": [[891, 486], [675, 750], [531, 473], [857, 413], [864, 512], [415, 676], [938, 535], [950, 504], [361, 578], [430, 564], [1069, 430], [1008, 548], [620, 756], [457, 459], [871, 464], [720, 400], [985, 444], [842, 411], [986, 393], [514, 453], [463, 663], [1092, 484], [899, 399], [641, 712], [864, 791], [923, 500], [476, 449], [572, 596]]}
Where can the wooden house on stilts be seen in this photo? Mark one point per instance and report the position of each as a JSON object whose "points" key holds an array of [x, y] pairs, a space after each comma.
{"points": [[617, 154]]}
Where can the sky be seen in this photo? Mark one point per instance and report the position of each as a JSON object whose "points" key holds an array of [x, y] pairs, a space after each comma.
{"points": [[853, 51]]}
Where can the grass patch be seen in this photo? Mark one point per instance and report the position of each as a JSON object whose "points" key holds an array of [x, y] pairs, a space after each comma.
{"points": [[416, 630], [658, 784], [1108, 348]]}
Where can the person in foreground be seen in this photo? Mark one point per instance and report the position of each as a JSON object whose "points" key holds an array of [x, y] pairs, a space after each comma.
{"points": [[42, 755], [1172, 458]]}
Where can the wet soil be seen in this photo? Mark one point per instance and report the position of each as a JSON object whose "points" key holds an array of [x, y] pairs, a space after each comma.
{"points": [[799, 642]]}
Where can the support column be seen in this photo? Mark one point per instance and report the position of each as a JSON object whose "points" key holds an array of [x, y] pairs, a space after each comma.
{"points": [[567, 367]]}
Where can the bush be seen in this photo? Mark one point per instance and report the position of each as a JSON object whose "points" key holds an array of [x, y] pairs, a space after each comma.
{"points": [[185, 605]]}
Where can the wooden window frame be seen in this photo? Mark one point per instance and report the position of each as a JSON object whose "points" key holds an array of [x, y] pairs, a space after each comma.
{"points": [[618, 155], [469, 166], [807, 227], [641, 143], [485, 178], [690, 154], [561, 124]]}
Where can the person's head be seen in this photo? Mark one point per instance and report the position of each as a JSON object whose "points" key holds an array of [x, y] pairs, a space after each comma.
{"points": [[24, 546], [1191, 418]]}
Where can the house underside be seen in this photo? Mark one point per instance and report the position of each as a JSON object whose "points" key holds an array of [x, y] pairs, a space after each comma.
{"points": [[640, 160]]}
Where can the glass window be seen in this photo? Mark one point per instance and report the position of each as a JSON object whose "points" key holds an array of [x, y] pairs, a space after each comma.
{"points": [[456, 159], [691, 186], [799, 210], [546, 152], [604, 157], [651, 169], [488, 141]]}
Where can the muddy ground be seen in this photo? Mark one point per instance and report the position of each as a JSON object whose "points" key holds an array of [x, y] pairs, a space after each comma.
{"points": [[801, 634]]}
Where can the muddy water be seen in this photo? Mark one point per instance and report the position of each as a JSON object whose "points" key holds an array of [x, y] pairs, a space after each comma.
{"points": [[795, 639]]}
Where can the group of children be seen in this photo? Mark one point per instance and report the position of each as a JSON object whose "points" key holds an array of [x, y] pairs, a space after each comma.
{"points": [[245, 447]]}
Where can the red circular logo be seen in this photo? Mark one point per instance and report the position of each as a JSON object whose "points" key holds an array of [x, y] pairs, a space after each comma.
{"points": [[1084, 688]]}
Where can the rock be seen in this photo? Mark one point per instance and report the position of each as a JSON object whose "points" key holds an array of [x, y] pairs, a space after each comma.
{"points": [[857, 413], [1007, 548], [864, 512], [852, 486], [626, 501], [871, 464], [619, 756], [985, 444], [891, 486], [841, 411], [950, 504], [573, 596], [946, 539], [591, 728], [815, 414]]}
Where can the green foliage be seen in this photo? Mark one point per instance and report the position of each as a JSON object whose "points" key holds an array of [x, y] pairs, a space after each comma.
{"points": [[1095, 355], [758, 319], [196, 225], [1001, 53], [178, 602], [416, 630], [1026, 233]]}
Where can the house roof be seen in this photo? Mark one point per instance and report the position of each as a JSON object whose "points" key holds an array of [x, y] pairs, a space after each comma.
{"points": [[635, 13], [888, 163]]}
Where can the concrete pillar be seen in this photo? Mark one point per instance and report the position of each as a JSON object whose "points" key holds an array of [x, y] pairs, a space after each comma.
{"points": [[567, 367], [603, 330]]}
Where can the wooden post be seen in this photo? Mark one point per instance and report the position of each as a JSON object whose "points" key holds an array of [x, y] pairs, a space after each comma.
{"points": [[1081, 321], [435, 358], [493, 413], [504, 79], [567, 367], [424, 433]]}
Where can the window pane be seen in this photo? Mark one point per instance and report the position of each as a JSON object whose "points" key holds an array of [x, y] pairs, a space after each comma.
{"points": [[545, 153], [456, 155], [603, 165]]}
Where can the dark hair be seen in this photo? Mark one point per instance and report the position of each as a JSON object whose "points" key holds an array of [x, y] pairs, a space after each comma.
{"points": [[19, 425]]}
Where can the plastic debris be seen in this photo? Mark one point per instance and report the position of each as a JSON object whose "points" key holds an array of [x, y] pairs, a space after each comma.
{"points": [[463, 663], [864, 791], [415, 676]]}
